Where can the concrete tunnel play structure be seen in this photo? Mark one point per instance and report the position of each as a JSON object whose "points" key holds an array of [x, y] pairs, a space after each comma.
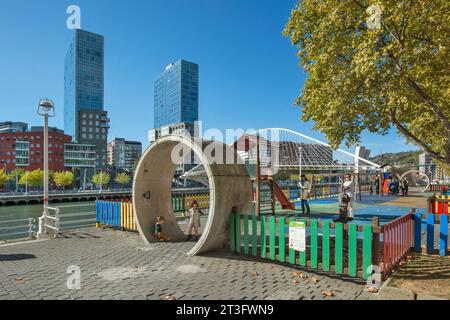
{"points": [[230, 186]]}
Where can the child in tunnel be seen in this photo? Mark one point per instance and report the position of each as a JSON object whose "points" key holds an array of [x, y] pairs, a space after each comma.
{"points": [[159, 230], [194, 214]]}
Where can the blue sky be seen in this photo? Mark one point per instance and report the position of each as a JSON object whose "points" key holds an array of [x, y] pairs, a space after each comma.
{"points": [[249, 74]]}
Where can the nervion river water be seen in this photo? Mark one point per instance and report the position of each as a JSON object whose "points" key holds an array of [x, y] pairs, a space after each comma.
{"points": [[72, 215]]}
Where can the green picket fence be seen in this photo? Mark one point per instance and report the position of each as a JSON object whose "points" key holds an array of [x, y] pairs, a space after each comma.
{"points": [[331, 247]]}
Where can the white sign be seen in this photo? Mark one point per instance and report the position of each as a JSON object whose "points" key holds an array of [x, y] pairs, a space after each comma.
{"points": [[297, 235]]}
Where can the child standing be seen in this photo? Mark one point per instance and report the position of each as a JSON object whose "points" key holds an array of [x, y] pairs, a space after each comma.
{"points": [[159, 230], [194, 214]]}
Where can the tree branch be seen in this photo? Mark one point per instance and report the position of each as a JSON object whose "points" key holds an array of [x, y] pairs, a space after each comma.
{"points": [[425, 97], [416, 140]]}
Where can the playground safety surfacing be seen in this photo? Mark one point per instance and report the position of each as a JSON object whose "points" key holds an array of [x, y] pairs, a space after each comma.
{"points": [[386, 208]]}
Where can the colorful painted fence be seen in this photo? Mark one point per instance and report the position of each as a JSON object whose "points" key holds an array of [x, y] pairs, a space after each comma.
{"points": [[398, 241], [318, 191], [439, 204], [439, 187], [331, 247], [180, 202], [350, 249], [117, 215], [427, 223]]}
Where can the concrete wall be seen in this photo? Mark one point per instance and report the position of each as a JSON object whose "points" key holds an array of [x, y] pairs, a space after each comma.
{"points": [[230, 186]]}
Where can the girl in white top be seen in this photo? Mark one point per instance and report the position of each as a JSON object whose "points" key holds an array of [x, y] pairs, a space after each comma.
{"points": [[194, 219], [347, 188]]}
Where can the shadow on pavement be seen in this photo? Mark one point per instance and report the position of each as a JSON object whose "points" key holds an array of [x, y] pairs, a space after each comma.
{"points": [[16, 257]]}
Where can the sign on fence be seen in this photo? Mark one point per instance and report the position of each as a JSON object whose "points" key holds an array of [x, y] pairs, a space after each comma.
{"points": [[297, 235]]}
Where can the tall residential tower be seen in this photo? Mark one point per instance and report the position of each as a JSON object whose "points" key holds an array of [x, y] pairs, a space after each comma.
{"points": [[176, 98], [85, 118]]}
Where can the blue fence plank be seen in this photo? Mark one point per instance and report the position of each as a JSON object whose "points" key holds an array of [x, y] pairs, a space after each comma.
{"points": [[430, 233], [110, 213], [418, 232], [443, 239], [117, 220]]}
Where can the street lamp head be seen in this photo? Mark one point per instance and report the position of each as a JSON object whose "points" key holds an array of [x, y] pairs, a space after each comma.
{"points": [[46, 107]]}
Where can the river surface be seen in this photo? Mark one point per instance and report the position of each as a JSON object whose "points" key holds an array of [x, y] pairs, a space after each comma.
{"points": [[72, 215]]}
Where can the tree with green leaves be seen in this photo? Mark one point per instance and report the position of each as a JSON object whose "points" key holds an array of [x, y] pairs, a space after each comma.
{"points": [[63, 178], [375, 64], [3, 178], [36, 178], [102, 178], [15, 174], [122, 179], [23, 178]]}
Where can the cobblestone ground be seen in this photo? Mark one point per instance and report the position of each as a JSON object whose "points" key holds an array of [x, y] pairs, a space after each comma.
{"points": [[117, 265]]}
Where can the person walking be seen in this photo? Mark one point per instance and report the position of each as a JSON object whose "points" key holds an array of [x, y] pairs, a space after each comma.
{"points": [[305, 189]]}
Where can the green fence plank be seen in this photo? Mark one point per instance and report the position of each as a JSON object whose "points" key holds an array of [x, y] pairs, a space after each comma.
{"points": [[367, 251], [291, 251], [232, 232], [303, 253], [326, 246], [281, 240], [272, 238], [246, 234], [254, 235], [338, 248], [352, 253], [263, 236], [314, 244], [238, 232]]}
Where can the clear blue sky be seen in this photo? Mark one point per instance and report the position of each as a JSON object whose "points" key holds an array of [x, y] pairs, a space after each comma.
{"points": [[249, 74]]}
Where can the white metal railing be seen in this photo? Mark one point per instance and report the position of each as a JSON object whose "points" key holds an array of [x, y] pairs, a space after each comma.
{"points": [[14, 228], [44, 221]]}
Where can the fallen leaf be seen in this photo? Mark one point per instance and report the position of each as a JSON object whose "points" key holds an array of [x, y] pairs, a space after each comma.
{"points": [[372, 290], [170, 298], [314, 280], [328, 293], [254, 274], [19, 278], [297, 274]]}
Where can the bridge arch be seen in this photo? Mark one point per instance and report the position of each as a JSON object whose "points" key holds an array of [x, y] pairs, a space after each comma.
{"points": [[229, 184]]}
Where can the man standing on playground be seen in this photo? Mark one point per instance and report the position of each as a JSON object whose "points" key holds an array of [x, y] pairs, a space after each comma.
{"points": [[377, 185], [347, 190], [305, 188]]}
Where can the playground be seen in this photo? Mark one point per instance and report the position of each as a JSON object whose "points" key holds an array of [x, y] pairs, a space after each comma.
{"points": [[255, 242], [253, 205]]}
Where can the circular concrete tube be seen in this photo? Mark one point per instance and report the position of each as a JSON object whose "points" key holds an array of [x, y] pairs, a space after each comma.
{"points": [[230, 186]]}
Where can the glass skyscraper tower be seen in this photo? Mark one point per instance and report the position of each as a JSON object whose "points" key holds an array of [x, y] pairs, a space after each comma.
{"points": [[176, 94], [84, 116]]}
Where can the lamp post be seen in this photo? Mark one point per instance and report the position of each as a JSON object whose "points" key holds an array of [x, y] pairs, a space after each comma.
{"points": [[101, 182], [300, 160], [46, 109]]}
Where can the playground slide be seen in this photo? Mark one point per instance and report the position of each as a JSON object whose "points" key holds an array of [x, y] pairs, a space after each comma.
{"points": [[285, 203]]}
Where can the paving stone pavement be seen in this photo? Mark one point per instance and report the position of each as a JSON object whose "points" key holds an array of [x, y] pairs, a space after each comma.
{"points": [[118, 265]]}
